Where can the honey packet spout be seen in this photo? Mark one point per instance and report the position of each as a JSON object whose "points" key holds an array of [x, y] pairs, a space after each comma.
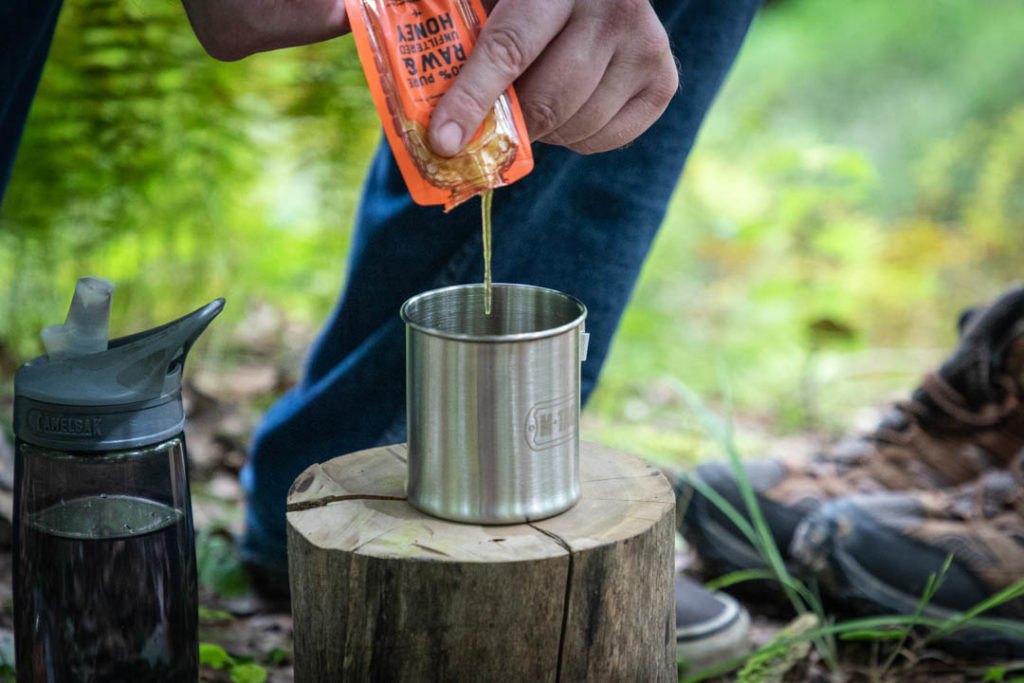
{"points": [[411, 52]]}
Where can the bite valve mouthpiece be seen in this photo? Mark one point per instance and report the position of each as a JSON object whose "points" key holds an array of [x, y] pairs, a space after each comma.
{"points": [[89, 394], [87, 326]]}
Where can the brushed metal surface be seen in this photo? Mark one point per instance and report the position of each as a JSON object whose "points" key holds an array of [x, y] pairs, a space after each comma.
{"points": [[493, 402]]}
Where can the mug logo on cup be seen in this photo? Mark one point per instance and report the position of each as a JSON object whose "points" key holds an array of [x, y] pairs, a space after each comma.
{"points": [[550, 423]]}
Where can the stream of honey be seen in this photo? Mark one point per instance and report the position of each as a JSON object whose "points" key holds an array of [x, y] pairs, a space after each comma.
{"points": [[485, 215]]}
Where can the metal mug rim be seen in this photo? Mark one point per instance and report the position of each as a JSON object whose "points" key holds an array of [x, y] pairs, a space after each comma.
{"points": [[493, 338]]}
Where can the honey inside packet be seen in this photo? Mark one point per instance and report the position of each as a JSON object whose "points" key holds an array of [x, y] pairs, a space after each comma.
{"points": [[411, 52]]}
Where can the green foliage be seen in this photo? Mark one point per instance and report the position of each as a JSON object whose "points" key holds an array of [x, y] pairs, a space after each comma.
{"points": [[861, 171], [214, 616], [7, 670], [878, 634], [969, 617], [248, 673], [241, 670], [775, 660], [277, 657], [218, 565], [179, 177], [738, 576], [770, 651], [930, 589], [999, 674], [996, 673], [804, 601], [214, 656]]}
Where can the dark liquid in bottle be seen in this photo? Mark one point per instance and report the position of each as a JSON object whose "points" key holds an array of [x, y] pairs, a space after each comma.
{"points": [[106, 588]]}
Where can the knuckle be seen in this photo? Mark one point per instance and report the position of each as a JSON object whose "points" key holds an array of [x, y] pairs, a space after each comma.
{"points": [[465, 103], [589, 146], [504, 47], [620, 13], [554, 138], [663, 89], [648, 109], [630, 8], [653, 43], [541, 117]]}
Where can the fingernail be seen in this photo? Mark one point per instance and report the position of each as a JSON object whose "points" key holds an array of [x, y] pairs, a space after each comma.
{"points": [[448, 140]]}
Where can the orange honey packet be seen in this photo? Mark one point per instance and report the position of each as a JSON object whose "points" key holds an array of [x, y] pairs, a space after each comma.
{"points": [[411, 51]]}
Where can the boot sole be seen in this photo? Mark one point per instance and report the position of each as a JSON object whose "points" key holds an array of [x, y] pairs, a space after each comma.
{"points": [[702, 650]]}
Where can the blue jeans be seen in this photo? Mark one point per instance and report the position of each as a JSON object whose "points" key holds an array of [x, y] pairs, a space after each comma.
{"points": [[579, 224], [26, 29]]}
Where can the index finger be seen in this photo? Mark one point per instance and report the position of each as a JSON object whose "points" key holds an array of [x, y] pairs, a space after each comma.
{"points": [[515, 34]]}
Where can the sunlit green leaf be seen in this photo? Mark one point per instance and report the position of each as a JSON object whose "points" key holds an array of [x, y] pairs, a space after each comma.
{"points": [[248, 673], [214, 656]]}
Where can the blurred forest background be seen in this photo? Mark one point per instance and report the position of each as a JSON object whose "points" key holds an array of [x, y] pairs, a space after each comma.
{"points": [[858, 182]]}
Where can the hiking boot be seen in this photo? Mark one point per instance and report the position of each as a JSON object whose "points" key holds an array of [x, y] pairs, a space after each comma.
{"points": [[963, 421], [876, 552], [711, 627]]}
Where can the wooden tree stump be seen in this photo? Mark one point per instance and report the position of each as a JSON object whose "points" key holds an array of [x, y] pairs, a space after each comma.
{"points": [[383, 592]]}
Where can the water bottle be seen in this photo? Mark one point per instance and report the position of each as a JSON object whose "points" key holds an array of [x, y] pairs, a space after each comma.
{"points": [[104, 550]]}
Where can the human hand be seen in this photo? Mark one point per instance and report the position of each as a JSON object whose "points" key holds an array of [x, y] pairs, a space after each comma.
{"points": [[590, 75], [233, 29]]}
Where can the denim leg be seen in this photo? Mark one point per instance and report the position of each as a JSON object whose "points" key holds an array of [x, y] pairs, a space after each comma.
{"points": [[26, 30], [579, 224]]}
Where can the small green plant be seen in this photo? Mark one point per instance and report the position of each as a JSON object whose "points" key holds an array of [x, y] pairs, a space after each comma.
{"points": [[217, 563], [774, 661], [209, 616], [802, 598], [7, 671], [930, 589], [241, 669], [277, 657], [1009, 673]]}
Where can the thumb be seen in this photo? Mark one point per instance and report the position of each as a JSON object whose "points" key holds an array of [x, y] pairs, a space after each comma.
{"points": [[514, 35]]}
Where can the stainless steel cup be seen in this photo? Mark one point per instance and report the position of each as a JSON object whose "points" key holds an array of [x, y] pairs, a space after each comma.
{"points": [[493, 402]]}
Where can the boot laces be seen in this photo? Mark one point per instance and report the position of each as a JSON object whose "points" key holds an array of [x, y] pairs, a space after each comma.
{"points": [[935, 434], [993, 494]]}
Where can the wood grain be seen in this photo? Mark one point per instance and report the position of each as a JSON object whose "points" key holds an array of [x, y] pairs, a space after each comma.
{"points": [[383, 592]]}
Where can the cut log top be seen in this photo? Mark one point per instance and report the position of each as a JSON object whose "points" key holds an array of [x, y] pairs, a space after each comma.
{"points": [[384, 592], [356, 503]]}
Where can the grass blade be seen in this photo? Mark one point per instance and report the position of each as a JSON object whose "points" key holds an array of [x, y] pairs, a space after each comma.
{"points": [[930, 589], [722, 432], [757, 532], [732, 578], [970, 618]]}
